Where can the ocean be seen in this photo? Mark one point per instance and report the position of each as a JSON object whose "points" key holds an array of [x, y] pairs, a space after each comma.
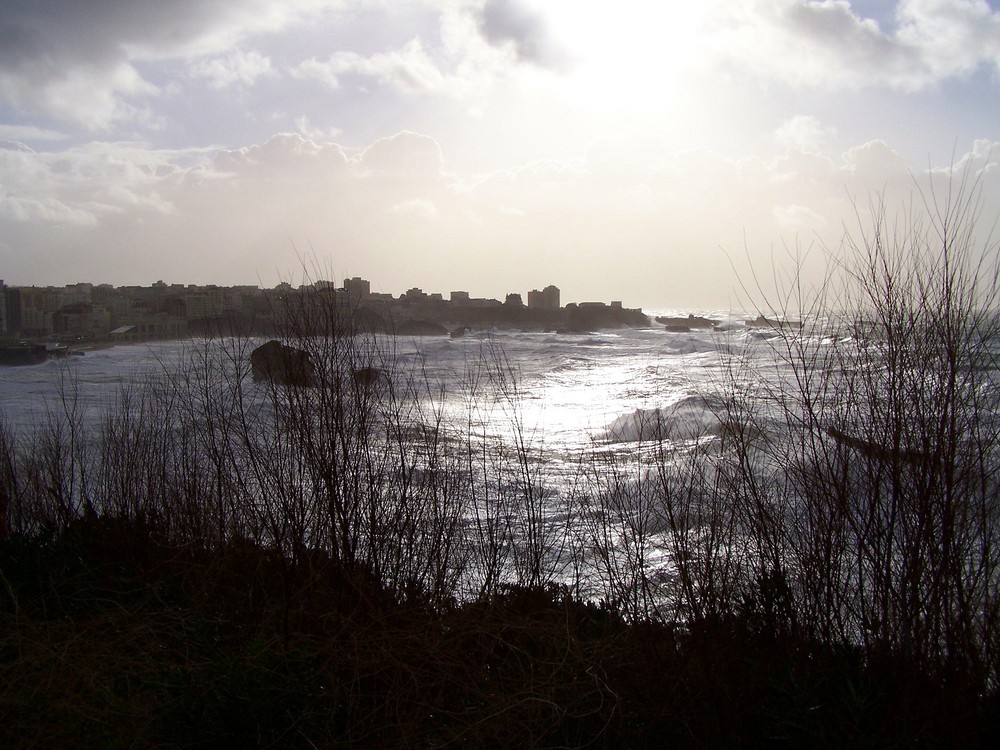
{"points": [[606, 461], [573, 391]]}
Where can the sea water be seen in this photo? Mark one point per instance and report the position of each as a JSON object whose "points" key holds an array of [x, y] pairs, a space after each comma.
{"points": [[568, 392], [618, 395]]}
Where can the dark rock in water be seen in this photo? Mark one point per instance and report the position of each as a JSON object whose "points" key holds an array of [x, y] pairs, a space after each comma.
{"points": [[281, 364], [675, 328], [761, 322], [23, 354], [879, 452], [459, 332], [367, 376], [681, 324], [420, 328]]}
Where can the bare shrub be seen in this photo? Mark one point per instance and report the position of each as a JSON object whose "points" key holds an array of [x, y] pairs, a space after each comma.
{"points": [[877, 500]]}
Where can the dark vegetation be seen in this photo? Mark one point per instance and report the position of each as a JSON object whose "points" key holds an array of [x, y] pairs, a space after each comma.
{"points": [[229, 563]]}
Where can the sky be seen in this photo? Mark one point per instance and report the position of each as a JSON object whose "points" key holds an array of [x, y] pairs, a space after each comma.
{"points": [[663, 154]]}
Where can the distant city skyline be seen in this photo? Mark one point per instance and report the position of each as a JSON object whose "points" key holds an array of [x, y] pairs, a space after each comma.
{"points": [[85, 312], [355, 287], [665, 152]]}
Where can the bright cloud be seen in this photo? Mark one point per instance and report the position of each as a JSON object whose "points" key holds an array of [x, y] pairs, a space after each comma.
{"points": [[237, 68], [409, 68], [804, 132], [77, 61], [420, 207], [826, 43], [30, 133]]}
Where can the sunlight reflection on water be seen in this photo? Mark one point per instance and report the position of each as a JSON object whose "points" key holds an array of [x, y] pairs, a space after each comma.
{"points": [[568, 389]]}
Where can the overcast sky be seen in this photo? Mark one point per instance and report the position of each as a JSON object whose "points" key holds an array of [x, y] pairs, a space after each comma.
{"points": [[620, 150]]}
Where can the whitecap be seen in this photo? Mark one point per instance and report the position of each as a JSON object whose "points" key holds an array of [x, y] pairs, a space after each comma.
{"points": [[687, 344], [692, 417]]}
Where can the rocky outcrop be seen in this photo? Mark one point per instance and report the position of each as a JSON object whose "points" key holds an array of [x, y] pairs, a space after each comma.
{"points": [[684, 324], [281, 364]]}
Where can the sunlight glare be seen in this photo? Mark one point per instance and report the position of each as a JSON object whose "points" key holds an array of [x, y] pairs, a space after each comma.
{"points": [[625, 56]]}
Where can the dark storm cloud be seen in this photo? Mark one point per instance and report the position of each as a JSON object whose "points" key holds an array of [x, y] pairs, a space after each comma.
{"points": [[503, 22]]}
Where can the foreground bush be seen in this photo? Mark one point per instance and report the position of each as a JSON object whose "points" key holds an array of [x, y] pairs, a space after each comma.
{"points": [[116, 635]]}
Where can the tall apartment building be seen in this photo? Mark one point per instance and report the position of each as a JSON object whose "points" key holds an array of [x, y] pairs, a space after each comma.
{"points": [[357, 289], [547, 299], [29, 310]]}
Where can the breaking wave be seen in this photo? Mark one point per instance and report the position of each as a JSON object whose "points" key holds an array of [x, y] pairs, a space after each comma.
{"points": [[692, 417]]}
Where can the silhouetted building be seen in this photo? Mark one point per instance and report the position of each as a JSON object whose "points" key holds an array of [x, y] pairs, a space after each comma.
{"points": [[460, 298], [81, 293], [357, 289], [514, 300], [29, 310], [547, 299], [81, 319], [148, 326], [483, 302]]}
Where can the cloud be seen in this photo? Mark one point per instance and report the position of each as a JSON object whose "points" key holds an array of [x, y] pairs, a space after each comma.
{"points": [[409, 69], [50, 211], [6, 145], [91, 96], [313, 132], [328, 73], [30, 133], [797, 218], [236, 68], [876, 163], [84, 185], [77, 61], [284, 156], [984, 156], [955, 37], [509, 23], [804, 132], [105, 66], [420, 207], [126, 213], [405, 153], [826, 43]]}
